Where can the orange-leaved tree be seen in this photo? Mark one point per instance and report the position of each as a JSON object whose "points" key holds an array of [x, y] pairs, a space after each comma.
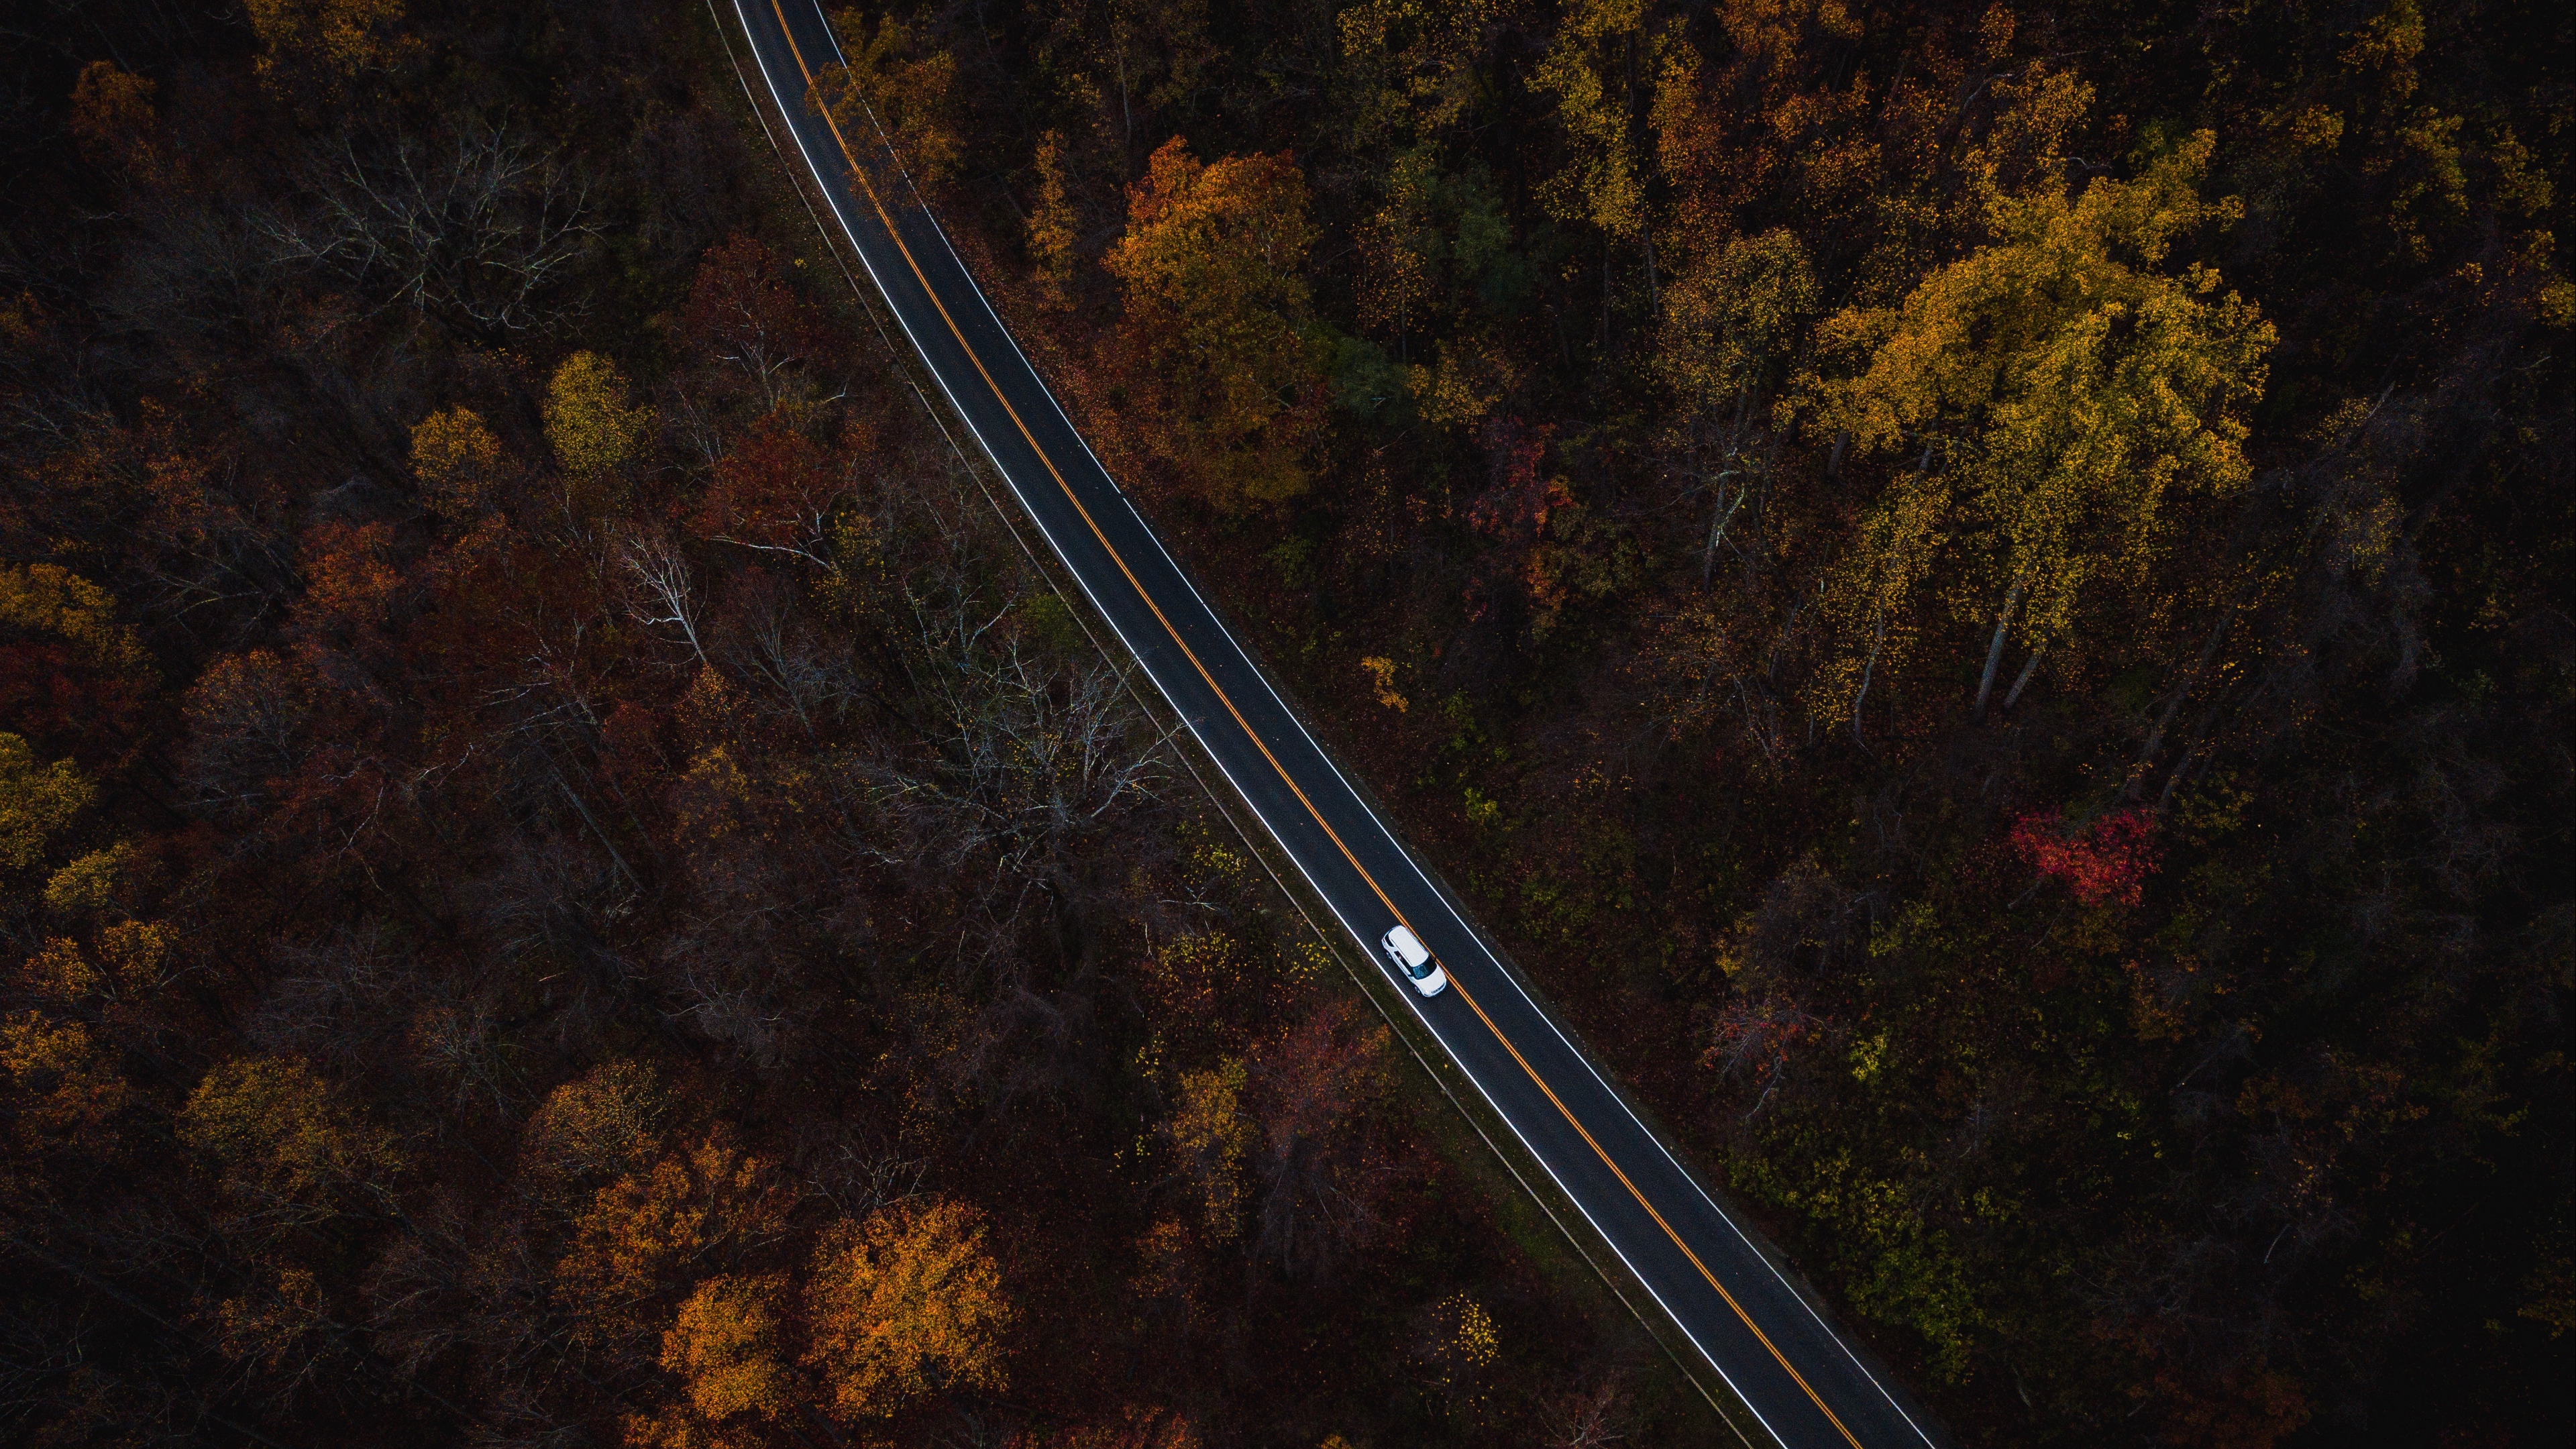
{"points": [[597, 1126], [904, 1305], [60, 1097], [724, 1347], [1216, 344], [699, 1207], [113, 120], [1213, 1136], [338, 39]]}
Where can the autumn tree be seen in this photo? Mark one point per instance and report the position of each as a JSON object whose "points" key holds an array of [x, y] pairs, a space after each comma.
{"points": [[246, 716], [70, 669], [340, 38], [61, 1096], [744, 312], [2065, 394], [97, 887], [461, 464], [1591, 67], [351, 576], [593, 429], [1322, 1173], [290, 1148], [1131, 62], [1730, 325], [602, 1124], [1213, 1134], [725, 1347], [1133, 1428], [775, 492], [907, 1304], [1408, 68], [1398, 278], [37, 802], [893, 92], [698, 1208], [1437, 258], [1053, 229], [114, 121], [1215, 339]]}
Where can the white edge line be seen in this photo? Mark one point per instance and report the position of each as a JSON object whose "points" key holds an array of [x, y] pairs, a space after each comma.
{"points": [[1403, 854], [1146, 663], [1411, 864]]}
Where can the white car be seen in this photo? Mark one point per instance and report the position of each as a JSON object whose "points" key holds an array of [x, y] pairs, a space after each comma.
{"points": [[1406, 950]]}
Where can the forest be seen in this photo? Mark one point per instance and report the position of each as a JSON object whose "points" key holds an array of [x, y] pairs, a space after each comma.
{"points": [[1978, 592]]}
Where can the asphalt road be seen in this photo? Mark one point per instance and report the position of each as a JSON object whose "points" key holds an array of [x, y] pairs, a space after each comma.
{"points": [[1770, 1346]]}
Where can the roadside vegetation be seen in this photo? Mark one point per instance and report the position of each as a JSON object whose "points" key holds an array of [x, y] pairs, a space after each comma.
{"points": [[1979, 593]]}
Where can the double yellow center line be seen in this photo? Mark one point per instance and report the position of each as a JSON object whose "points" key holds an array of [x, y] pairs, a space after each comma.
{"points": [[860, 173]]}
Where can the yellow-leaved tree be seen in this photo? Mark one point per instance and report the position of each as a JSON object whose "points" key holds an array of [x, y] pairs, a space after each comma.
{"points": [[1408, 67], [460, 463], [49, 599], [1591, 67], [289, 1146], [1053, 228], [894, 90], [1731, 321], [1215, 342], [904, 1305], [1214, 1135], [2055, 393], [37, 802], [593, 429], [1733, 318]]}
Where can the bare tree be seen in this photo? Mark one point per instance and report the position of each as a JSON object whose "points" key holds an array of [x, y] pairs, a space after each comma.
{"points": [[664, 595], [1020, 759], [764, 638], [1591, 1417], [471, 230]]}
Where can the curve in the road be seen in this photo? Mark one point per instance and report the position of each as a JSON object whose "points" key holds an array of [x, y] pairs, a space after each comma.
{"points": [[1809, 1415]]}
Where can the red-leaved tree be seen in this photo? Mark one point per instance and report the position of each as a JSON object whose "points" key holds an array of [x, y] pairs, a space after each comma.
{"points": [[2106, 859]]}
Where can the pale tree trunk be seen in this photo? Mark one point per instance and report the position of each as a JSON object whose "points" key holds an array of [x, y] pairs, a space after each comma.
{"points": [[1866, 670], [1995, 651], [1717, 531], [2021, 682], [1723, 512], [667, 596], [2164, 720]]}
